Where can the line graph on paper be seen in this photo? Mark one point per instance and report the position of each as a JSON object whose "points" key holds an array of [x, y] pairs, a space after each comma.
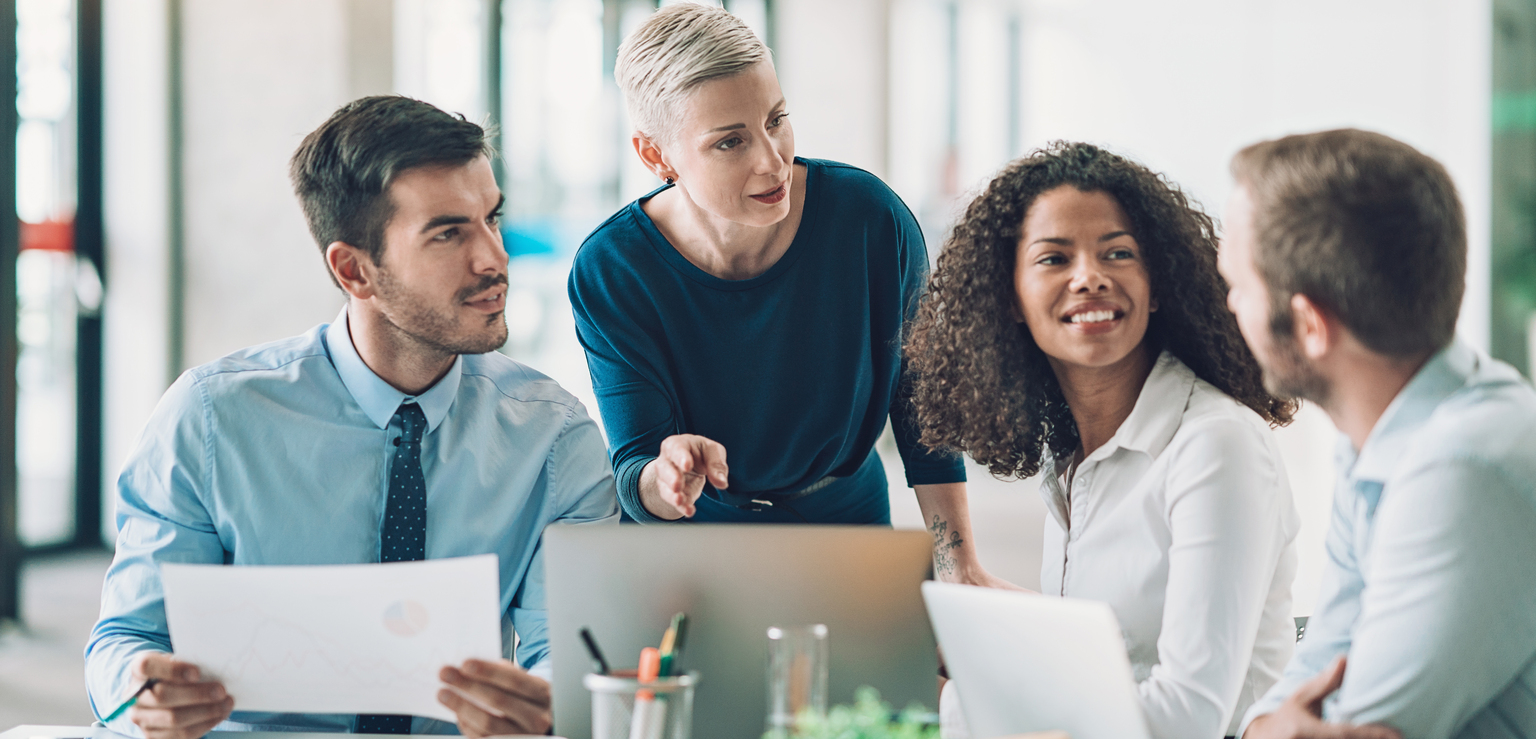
{"points": [[335, 639]]}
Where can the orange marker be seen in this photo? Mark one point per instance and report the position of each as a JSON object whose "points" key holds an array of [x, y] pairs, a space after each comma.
{"points": [[646, 722], [650, 668]]}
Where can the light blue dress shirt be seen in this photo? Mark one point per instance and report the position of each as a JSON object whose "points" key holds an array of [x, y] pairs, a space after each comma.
{"points": [[1430, 582], [279, 455]]}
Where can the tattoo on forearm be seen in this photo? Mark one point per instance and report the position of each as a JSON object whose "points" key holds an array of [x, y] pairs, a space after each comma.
{"points": [[943, 549]]}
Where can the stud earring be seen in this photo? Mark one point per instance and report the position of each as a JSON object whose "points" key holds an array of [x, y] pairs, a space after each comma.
{"points": [[669, 180]]}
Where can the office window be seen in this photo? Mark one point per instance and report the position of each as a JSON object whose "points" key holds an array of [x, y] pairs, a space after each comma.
{"points": [[563, 147], [955, 103], [54, 288], [1514, 184], [440, 54]]}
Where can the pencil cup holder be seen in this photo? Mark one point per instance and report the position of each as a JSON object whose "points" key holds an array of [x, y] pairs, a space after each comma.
{"points": [[624, 708]]}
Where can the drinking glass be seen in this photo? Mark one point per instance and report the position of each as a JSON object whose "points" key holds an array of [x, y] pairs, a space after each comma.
{"points": [[797, 674]]}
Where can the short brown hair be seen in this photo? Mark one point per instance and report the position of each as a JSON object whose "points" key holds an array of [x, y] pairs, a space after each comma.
{"points": [[1365, 226], [343, 169]]}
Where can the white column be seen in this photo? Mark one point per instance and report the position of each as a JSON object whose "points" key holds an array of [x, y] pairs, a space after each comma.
{"points": [[832, 62], [257, 78], [136, 177]]}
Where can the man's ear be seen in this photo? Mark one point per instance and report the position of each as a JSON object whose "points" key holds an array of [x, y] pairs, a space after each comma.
{"points": [[352, 268], [1317, 331], [651, 156]]}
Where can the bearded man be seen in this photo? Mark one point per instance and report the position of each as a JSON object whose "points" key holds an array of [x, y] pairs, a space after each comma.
{"points": [[1346, 254], [394, 433]]}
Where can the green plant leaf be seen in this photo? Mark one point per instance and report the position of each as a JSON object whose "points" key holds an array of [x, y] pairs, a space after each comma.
{"points": [[868, 718]]}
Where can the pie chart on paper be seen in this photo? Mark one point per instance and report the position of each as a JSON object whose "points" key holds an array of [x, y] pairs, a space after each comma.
{"points": [[406, 618]]}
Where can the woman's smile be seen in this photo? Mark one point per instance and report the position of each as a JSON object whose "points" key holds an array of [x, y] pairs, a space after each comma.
{"points": [[1097, 317], [773, 196]]}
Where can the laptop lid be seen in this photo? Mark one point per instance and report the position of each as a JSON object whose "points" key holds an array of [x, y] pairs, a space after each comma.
{"points": [[1024, 662], [625, 583]]}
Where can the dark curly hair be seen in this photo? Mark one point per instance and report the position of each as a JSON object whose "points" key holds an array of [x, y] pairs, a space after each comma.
{"points": [[980, 384]]}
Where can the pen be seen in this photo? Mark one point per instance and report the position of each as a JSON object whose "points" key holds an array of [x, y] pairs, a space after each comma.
{"points": [[132, 699], [672, 644], [597, 654]]}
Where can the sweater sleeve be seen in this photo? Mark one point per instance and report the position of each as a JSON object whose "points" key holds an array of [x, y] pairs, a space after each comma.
{"points": [[923, 466], [636, 414]]}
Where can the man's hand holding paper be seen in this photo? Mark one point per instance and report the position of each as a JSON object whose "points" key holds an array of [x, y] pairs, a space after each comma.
{"points": [[180, 704], [495, 698], [364, 639]]}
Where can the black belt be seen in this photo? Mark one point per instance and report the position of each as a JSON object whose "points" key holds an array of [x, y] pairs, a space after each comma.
{"points": [[763, 501]]}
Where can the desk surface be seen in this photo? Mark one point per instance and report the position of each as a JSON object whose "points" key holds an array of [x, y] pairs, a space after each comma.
{"points": [[30, 731]]}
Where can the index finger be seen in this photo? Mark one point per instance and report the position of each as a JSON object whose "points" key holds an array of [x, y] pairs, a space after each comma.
{"points": [[677, 453], [711, 459], [163, 666], [677, 464]]}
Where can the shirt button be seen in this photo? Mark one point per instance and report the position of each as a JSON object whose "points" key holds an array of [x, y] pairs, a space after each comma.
{"points": [[397, 441]]}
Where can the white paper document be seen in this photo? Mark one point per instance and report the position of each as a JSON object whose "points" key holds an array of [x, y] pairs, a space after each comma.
{"points": [[335, 639]]}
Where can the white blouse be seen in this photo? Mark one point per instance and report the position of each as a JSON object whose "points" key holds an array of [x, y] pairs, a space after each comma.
{"points": [[1183, 523]]}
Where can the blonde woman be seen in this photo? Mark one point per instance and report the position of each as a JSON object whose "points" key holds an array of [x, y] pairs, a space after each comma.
{"points": [[752, 305]]}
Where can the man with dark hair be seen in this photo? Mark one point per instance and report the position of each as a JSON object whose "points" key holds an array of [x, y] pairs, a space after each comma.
{"points": [[1346, 256], [394, 433]]}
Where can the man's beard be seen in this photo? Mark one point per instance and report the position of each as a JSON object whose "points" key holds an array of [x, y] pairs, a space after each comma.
{"points": [[1288, 374], [437, 330]]}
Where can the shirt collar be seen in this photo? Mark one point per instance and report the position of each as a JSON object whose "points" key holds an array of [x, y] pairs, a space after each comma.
{"points": [[1153, 421], [1445, 373], [378, 399], [1158, 411]]}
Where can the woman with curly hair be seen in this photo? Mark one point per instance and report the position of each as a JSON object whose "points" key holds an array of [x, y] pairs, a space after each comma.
{"points": [[1075, 325]]}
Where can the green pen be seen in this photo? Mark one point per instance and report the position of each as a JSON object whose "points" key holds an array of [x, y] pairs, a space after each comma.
{"points": [[672, 644], [132, 699]]}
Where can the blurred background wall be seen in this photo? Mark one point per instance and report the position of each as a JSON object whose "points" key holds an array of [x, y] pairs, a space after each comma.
{"points": [[204, 250], [932, 95]]}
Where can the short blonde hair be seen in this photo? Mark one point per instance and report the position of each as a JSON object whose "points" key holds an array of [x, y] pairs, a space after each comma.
{"points": [[675, 50]]}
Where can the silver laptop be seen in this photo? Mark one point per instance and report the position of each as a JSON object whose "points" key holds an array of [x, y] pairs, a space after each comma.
{"points": [[1023, 662], [625, 582]]}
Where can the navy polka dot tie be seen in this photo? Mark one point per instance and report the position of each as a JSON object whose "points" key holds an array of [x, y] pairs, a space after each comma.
{"points": [[404, 536]]}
